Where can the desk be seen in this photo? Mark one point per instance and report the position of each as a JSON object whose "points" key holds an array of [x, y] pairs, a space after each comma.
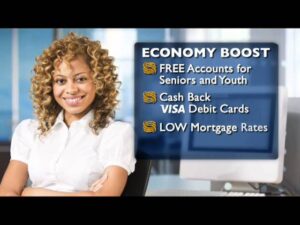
{"points": [[179, 192], [173, 185]]}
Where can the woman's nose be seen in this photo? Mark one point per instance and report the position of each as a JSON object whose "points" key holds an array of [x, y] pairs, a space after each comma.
{"points": [[72, 88]]}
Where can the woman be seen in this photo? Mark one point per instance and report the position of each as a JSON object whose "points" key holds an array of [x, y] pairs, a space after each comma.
{"points": [[74, 148]]}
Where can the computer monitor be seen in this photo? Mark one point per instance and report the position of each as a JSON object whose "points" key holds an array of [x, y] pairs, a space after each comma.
{"points": [[258, 170]]}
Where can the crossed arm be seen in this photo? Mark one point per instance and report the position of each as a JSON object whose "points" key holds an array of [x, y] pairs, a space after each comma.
{"points": [[16, 175]]}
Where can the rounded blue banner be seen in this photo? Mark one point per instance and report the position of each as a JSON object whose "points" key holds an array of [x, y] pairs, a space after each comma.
{"points": [[206, 100]]}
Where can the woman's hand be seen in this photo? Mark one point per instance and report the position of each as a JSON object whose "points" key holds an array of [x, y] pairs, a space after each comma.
{"points": [[98, 184]]}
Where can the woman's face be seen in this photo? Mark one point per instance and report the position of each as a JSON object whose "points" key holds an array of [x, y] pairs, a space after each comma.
{"points": [[73, 88]]}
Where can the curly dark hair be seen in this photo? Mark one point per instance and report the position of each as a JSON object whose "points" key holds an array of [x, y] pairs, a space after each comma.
{"points": [[104, 78]]}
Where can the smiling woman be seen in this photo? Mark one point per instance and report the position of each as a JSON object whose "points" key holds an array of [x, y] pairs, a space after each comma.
{"points": [[74, 148]]}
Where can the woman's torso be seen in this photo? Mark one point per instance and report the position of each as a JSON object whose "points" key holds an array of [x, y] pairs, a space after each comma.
{"points": [[66, 160], [72, 158]]}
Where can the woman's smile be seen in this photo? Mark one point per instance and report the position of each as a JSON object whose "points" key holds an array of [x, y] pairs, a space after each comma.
{"points": [[74, 101]]}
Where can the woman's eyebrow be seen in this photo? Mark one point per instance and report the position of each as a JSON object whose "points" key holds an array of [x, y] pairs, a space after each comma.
{"points": [[80, 73], [61, 75]]}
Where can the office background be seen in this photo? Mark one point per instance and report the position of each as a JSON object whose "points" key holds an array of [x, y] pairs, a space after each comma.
{"points": [[19, 47]]}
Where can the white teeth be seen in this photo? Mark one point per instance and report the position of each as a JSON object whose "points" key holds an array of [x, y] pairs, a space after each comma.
{"points": [[73, 101]]}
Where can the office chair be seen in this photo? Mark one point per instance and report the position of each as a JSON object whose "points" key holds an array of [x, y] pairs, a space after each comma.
{"points": [[4, 158], [138, 181]]}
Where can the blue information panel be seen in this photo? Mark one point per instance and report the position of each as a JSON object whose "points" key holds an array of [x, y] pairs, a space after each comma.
{"points": [[206, 100]]}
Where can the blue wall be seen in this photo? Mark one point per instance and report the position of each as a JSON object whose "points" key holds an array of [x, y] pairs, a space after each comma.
{"points": [[5, 84], [31, 44]]}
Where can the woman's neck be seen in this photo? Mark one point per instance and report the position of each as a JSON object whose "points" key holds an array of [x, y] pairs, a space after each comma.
{"points": [[70, 118]]}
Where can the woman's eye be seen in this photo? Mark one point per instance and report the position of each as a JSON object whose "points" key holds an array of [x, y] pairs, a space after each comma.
{"points": [[81, 79], [60, 81]]}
